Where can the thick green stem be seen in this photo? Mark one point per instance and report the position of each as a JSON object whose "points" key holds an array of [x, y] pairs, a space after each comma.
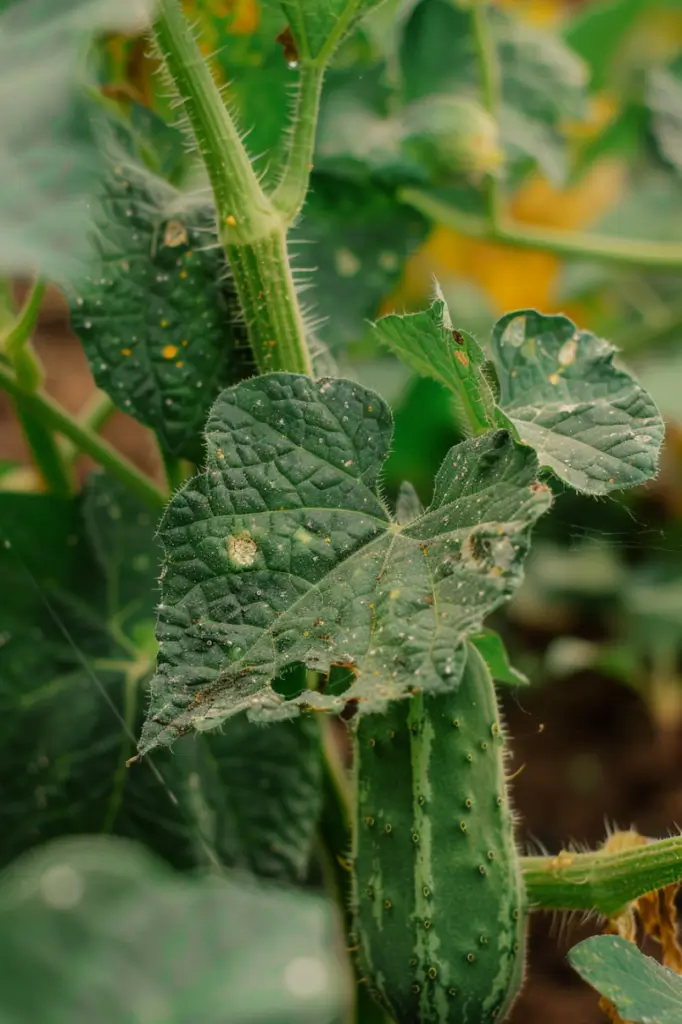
{"points": [[291, 191], [267, 295], [629, 252], [237, 191], [605, 882], [252, 229], [42, 408]]}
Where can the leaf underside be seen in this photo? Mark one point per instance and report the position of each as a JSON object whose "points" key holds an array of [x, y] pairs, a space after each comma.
{"points": [[283, 552], [588, 420]]}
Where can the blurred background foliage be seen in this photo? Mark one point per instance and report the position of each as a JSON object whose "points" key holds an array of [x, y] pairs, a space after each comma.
{"points": [[587, 138]]}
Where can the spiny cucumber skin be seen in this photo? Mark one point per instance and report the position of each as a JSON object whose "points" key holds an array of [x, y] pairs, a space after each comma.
{"points": [[439, 904]]}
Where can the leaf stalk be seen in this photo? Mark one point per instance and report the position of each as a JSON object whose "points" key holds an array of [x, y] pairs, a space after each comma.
{"points": [[601, 881]]}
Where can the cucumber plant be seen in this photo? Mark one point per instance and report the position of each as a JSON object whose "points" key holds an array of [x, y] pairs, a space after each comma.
{"points": [[292, 595]]}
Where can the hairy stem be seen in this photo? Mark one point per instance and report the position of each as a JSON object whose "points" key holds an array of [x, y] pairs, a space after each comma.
{"points": [[291, 191], [252, 230], [267, 296], [43, 409], [605, 882], [567, 244]]}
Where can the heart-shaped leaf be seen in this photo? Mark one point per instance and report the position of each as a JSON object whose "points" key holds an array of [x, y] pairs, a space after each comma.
{"points": [[283, 552]]}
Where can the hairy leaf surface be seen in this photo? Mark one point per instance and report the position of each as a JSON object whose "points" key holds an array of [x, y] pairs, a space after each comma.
{"points": [[283, 552], [642, 991], [588, 420], [77, 611], [114, 936], [156, 314]]}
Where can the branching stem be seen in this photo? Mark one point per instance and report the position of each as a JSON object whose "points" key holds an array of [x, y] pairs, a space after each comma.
{"points": [[252, 229], [291, 191]]}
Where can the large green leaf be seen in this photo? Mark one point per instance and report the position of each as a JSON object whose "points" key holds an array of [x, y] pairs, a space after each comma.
{"points": [[588, 420], [98, 930], [156, 314], [283, 552], [642, 991], [49, 158], [77, 612]]}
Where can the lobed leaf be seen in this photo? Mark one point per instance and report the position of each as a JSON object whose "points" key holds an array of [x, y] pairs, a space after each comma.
{"points": [[556, 388], [588, 420], [282, 552], [182, 949], [156, 314], [427, 343], [642, 991]]}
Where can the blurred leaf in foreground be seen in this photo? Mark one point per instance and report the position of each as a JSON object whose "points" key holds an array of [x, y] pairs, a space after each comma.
{"points": [[114, 936], [49, 160]]}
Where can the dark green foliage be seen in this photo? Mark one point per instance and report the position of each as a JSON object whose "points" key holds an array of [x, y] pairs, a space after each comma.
{"points": [[283, 552], [438, 898], [157, 315], [79, 587]]}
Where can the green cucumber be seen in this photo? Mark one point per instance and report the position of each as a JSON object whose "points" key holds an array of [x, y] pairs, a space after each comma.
{"points": [[439, 904]]}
